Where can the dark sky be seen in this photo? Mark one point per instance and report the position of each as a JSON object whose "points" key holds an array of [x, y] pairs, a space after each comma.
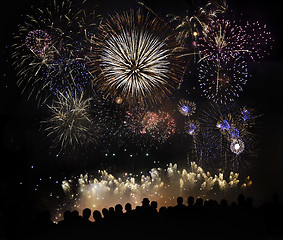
{"points": [[19, 117]]}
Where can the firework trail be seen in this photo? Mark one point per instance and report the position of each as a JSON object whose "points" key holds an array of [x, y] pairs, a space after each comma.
{"points": [[135, 58]]}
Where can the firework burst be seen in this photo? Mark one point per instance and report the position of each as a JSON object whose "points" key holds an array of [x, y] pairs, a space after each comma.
{"points": [[259, 40], [186, 107], [192, 127], [225, 137], [48, 43], [237, 146], [135, 58], [221, 77], [222, 37], [226, 37], [190, 27], [157, 126], [70, 124]]}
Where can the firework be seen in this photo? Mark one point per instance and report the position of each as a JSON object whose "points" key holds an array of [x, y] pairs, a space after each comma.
{"points": [[221, 127], [38, 42], [133, 119], [50, 42], [237, 146], [70, 124], [231, 126], [229, 38], [225, 121], [159, 125], [259, 40], [135, 58], [191, 26], [187, 108], [192, 127], [248, 115], [149, 126], [221, 77], [66, 73], [222, 37], [161, 185]]}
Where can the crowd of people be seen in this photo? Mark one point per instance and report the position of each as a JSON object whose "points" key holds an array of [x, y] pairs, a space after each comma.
{"points": [[190, 217]]}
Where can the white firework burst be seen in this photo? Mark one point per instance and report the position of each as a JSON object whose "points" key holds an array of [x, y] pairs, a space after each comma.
{"points": [[70, 124], [136, 58], [237, 146]]}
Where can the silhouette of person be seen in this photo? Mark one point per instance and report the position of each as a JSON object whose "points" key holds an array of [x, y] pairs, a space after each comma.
{"points": [[66, 222], [128, 207], [241, 201], [86, 216], [145, 203], [199, 203], [97, 217], [118, 210], [153, 206], [191, 201], [180, 204]]}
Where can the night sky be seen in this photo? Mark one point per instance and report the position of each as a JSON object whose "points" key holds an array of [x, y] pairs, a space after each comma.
{"points": [[25, 154]]}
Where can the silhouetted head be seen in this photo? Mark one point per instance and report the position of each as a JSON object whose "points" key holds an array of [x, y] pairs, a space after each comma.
{"points": [[153, 204], [128, 207], [191, 201], [111, 211], [105, 212], [96, 215], [67, 215], [75, 213], [145, 202], [241, 200], [118, 208], [179, 200], [162, 210], [199, 202], [86, 213]]}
